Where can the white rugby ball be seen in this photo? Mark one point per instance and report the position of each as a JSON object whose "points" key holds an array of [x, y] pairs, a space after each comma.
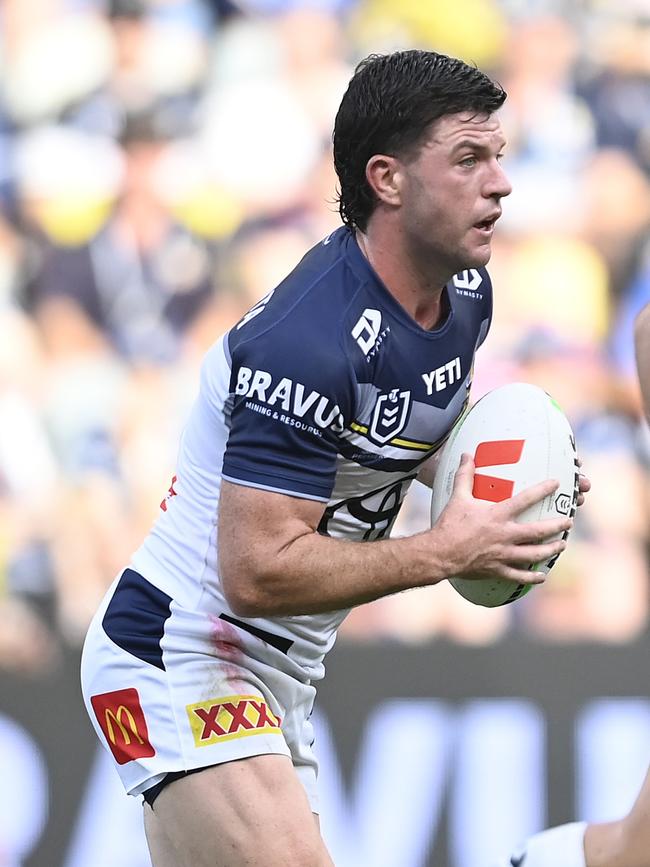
{"points": [[518, 436]]}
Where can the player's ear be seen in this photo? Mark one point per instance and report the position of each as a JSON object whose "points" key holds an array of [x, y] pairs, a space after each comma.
{"points": [[384, 175]]}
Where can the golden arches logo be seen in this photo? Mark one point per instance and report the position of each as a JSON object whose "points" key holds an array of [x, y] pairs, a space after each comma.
{"points": [[116, 718], [123, 724]]}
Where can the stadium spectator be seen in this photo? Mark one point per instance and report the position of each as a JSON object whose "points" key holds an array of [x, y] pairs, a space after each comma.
{"points": [[73, 71], [142, 280]]}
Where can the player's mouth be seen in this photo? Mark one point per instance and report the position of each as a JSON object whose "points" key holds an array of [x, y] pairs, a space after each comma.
{"points": [[486, 226]]}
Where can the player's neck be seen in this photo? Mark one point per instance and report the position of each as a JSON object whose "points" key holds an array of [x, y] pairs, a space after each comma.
{"points": [[418, 292]]}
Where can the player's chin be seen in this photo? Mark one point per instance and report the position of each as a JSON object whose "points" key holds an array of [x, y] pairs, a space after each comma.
{"points": [[478, 255]]}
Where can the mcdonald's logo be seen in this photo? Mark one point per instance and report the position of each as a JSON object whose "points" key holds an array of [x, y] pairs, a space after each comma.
{"points": [[121, 719], [494, 454], [117, 718]]}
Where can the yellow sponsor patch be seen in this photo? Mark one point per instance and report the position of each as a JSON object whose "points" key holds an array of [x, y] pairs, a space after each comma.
{"points": [[234, 716]]}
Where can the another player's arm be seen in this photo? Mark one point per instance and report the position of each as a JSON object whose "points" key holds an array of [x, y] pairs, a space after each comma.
{"points": [[621, 843], [273, 562], [625, 843], [642, 350]]}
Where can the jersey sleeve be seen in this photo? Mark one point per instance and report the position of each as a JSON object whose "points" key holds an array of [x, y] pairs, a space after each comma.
{"points": [[291, 400]]}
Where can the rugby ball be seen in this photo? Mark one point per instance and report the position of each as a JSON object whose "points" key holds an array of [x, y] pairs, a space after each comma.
{"points": [[518, 436]]}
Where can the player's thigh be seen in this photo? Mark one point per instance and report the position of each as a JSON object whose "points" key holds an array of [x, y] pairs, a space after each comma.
{"points": [[160, 845], [252, 812]]}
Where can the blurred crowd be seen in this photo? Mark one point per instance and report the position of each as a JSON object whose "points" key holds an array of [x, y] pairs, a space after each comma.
{"points": [[163, 164]]}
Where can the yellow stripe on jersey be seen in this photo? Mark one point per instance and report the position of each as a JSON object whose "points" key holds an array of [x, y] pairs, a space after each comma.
{"points": [[411, 444], [405, 444]]}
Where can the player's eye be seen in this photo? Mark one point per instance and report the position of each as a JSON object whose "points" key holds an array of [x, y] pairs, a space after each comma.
{"points": [[469, 162]]}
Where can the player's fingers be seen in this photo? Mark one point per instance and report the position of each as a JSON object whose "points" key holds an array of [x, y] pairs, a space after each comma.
{"points": [[537, 553], [539, 531], [528, 497], [522, 576], [464, 477], [584, 484]]}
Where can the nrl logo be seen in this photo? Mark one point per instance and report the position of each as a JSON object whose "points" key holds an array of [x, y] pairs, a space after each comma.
{"points": [[389, 416]]}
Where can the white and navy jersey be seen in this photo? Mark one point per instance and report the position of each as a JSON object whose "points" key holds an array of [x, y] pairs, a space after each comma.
{"points": [[326, 390]]}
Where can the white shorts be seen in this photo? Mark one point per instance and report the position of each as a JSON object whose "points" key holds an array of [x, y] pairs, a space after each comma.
{"points": [[169, 690]]}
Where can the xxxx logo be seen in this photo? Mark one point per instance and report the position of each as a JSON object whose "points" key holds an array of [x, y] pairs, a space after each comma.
{"points": [[494, 454], [235, 716]]}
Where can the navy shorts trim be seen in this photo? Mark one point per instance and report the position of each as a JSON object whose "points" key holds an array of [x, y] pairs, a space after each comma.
{"points": [[135, 617], [150, 795], [278, 641]]}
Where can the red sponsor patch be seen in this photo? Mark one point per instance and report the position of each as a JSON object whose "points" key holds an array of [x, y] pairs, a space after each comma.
{"points": [[121, 718], [493, 454]]}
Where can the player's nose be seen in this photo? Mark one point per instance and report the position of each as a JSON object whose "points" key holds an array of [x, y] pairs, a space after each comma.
{"points": [[498, 184]]}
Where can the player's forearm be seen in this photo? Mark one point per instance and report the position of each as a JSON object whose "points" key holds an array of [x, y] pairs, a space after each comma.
{"points": [[272, 560], [315, 574]]}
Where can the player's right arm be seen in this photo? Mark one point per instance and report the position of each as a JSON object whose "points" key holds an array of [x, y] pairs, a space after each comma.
{"points": [[274, 562], [294, 392]]}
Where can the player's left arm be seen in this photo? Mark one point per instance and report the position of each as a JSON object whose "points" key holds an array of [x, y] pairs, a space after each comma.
{"points": [[428, 469]]}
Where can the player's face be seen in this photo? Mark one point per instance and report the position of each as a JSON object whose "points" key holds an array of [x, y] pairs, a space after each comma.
{"points": [[452, 189]]}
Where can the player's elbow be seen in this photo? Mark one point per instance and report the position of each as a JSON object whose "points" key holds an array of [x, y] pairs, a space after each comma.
{"points": [[243, 598], [243, 587], [247, 605]]}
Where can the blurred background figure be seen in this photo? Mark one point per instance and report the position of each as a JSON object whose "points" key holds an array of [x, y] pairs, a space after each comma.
{"points": [[162, 165]]}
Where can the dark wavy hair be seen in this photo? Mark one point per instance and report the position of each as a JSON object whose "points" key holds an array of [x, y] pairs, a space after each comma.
{"points": [[389, 104]]}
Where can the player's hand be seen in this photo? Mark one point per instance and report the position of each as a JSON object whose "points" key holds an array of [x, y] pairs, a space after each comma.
{"points": [[584, 486], [476, 539]]}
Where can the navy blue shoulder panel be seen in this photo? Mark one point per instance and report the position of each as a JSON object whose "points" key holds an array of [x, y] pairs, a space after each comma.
{"points": [[293, 383]]}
